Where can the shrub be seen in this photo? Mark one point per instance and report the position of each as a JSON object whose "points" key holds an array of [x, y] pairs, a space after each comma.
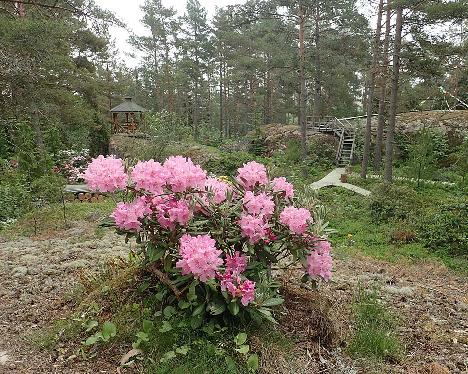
{"points": [[48, 189], [227, 163], [212, 242], [390, 202], [445, 229]]}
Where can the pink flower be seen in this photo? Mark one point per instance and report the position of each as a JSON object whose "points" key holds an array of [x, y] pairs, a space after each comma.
{"points": [[171, 211], [183, 174], [218, 189], [258, 205], [251, 174], [150, 176], [253, 228], [319, 264], [247, 291], [106, 174], [236, 264], [128, 216], [199, 256], [282, 185], [295, 218]]}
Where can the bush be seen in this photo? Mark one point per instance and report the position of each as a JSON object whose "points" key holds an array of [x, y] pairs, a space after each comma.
{"points": [[390, 202], [48, 189], [445, 229], [227, 163], [15, 196]]}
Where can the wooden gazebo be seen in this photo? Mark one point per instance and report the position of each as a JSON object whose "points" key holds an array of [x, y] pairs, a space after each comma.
{"points": [[133, 116]]}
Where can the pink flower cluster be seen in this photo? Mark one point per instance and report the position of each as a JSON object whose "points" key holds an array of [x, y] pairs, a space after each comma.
{"points": [[128, 216], [183, 174], [106, 174], [150, 176], [217, 189], [199, 256], [282, 185], [251, 175], [319, 262], [297, 219], [232, 282], [253, 228], [260, 205], [171, 211]]}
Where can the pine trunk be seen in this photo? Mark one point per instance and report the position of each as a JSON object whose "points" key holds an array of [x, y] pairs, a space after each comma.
{"points": [[383, 92], [302, 82], [370, 99], [394, 96], [318, 66]]}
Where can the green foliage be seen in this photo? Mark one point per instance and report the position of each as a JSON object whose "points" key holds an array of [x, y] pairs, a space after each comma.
{"points": [[15, 194], [227, 163], [444, 228], [48, 189], [107, 331], [391, 202], [375, 330]]}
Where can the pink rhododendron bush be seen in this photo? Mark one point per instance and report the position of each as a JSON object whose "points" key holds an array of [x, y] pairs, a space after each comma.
{"points": [[212, 242]]}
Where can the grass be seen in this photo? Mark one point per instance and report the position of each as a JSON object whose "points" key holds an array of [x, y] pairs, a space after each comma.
{"points": [[374, 336], [357, 232]]}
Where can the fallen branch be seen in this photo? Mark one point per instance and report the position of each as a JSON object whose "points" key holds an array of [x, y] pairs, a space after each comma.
{"points": [[165, 279]]}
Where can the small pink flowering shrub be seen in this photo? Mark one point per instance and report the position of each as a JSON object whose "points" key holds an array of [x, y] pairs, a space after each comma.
{"points": [[212, 242]]}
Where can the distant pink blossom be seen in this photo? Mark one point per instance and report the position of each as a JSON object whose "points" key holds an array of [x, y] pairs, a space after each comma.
{"points": [[217, 189], [183, 174], [199, 256], [296, 219], [253, 228], [127, 216], [252, 174], [282, 185], [150, 176], [258, 205], [106, 174], [320, 262]]}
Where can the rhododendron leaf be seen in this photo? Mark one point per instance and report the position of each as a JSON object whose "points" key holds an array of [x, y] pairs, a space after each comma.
{"points": [[169, 311], [167, 263], [234, 307], [240, 338], [266, 313], [198, 310], [166, 326], [243, 349], [154, 253], [216, 307], [273, 301], [252, 363]]}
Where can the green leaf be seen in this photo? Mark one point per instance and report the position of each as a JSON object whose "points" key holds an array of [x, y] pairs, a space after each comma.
{"points": [[233, 307], [240, 338], [167, 263], [243, 349], [266, 313], [196, 321], [184, 304], [198, 310], [252, 363], [169, 311], [109, 330], [273, 301], [168, 356], [154, 253], [191, 295], [231, 364], [147, 325], [91, 325], [91, 340], [216, 307], [166, 326], [143, 336], [182, 350]]}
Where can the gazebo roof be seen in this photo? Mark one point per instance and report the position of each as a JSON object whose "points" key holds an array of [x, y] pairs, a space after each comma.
{"points": [[128, 106]]}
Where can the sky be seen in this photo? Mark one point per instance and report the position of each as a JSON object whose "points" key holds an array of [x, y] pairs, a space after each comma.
{"points": [[129, 12]]}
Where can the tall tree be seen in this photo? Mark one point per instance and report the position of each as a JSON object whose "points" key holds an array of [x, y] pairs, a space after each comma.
{"points": [[370, 98]]}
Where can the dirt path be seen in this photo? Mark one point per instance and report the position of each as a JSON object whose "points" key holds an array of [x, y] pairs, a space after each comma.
{"points": [[431, 303]]}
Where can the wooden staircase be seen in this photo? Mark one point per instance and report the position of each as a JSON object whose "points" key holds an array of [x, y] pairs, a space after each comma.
{"points": [[341, 128]]}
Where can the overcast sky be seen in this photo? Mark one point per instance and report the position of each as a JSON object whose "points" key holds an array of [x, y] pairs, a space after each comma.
{"points": [[130, 13]]}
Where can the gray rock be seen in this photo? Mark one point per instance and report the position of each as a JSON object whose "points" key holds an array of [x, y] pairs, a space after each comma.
{"points": [[19, 271], [404, 291]]}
